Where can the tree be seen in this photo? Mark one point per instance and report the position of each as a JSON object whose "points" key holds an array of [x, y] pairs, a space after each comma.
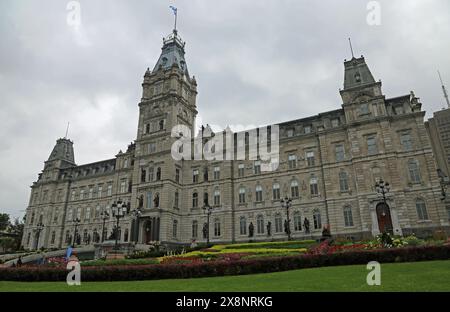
{"points": [[17, 228], [4, 221], [7, 243]]}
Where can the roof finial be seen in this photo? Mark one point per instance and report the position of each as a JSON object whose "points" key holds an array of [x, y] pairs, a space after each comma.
{"points": [[67, 130], [175, 10], [444, 90], [351, 48]]}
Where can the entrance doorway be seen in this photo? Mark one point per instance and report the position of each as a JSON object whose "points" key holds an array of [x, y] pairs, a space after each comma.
{"points": [[151, 230], [384, 218]]}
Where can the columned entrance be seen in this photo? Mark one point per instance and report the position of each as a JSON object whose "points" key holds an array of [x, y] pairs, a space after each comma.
{"points": [[384, 218], [151, 230]]}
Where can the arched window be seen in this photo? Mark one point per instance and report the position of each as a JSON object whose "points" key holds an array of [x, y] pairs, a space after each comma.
{"points": [[348, 216], [294, 189], [258, 193], [276, 191], [317, 219], [174, 228], [278, 223], [243, 226], [297, 221], [241, 195], [421, 209], [260, 224], [217, 227], [194, 229], [195, 200]]}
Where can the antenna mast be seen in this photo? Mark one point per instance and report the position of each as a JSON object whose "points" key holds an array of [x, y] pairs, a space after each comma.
{"points": [[444, 90], [351, 48], [67, 130]]}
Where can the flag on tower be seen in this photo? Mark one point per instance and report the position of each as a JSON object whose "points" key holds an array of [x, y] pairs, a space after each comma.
{"points": [[174, 9]]}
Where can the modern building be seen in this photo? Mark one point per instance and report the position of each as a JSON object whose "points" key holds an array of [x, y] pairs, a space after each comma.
{"points": [[328, 166]]}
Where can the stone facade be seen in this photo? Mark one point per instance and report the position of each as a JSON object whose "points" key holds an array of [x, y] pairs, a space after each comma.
{"points": [[329, 164]]}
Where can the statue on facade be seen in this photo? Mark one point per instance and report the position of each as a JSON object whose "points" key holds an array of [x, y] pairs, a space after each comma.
{"points": [[269, 228], [251, 230], [156, 201], [141, 201], [306, 225]]}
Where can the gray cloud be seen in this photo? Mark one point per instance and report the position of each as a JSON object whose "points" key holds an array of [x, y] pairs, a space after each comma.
{"points": [[256, 62]]}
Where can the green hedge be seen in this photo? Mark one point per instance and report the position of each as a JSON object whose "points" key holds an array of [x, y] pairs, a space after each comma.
{"points": [[220, 268]]}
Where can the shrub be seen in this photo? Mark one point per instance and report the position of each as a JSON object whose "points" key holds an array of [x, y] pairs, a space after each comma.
{"points": [[220, 268]]}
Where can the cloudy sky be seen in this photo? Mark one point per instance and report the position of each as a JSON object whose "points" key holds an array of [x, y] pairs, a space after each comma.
{"points": [[256, 62]]}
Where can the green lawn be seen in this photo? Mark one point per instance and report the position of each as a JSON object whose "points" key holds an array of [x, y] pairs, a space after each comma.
{"points": [[414, 276]]}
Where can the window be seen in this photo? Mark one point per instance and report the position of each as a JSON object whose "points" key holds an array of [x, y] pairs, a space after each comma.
{"points": [[195, 176], [313, 186], [310, 158], [79, 213], [372, 148], [364, 109], [91, 192], [52, 241], [276, 191], [143, 175], [175, 201], [278, 223], [87, 216], [174, 228], [161, 124], [292, 161], [294, 189], [216, 173], [343, 181], [317, 219], [147, 128], [348, 216], [340, 152], [177, 175], [70, 215], [241, 170], [125, 163], [205, 199], [194, 229], [216, 198], [257, 167], [335, 122], [125, 236], [195, 200], [217, 227], [290, 133], [243, 226], [414, 173], [297, 221], [123, 187], [421, 209], [56, 215], [399, 110], [149, 200], [405, 141], [81, 194], [241, 195], [109, 191], [99, 191], [260, 224], [152, 147], [258, 196], [307, 129], [97, 211]]}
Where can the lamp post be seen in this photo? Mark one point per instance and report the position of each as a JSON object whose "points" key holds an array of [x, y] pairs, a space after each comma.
{"points": [[382, 188], [208, 210], [76, 221], [136, 214], [118, 211], [287, 203], [39, 228], [444, 181], [105, 216]]}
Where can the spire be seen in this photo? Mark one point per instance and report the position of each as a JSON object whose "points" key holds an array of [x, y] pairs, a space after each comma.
{"points": [[172, 53], [63, 150], [357, 73]]}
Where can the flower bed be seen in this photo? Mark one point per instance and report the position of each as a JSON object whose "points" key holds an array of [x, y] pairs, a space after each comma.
{"points": [[233, 267]]}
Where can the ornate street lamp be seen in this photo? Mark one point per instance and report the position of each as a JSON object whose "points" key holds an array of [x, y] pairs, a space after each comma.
{"points": [[39, 228], [444, 181], [119, 209], [105, 216], [382, 188], [287, 203], [76, 221], [208, 210]]}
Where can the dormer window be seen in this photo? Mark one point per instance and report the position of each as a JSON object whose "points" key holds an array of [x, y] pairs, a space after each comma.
{"points": [[164, 61], [290, 133], [307, 129], [358, 77], [364, 109]]}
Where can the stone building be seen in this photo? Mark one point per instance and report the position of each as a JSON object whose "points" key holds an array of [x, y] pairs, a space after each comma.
{"points": [[328, 166]]}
